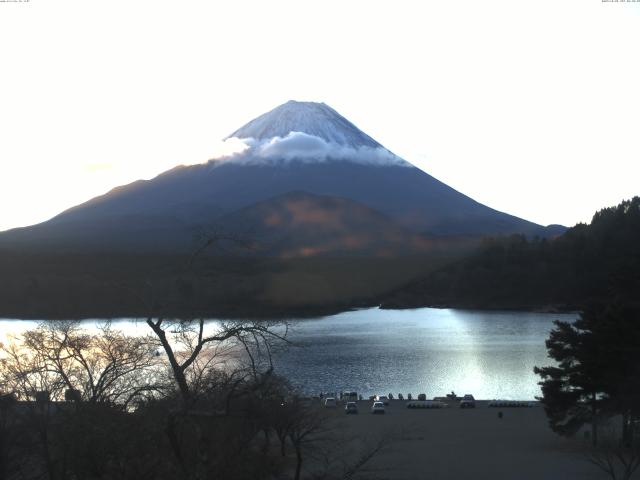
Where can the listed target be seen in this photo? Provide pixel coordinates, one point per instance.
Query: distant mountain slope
(299, 224)
(297, 147)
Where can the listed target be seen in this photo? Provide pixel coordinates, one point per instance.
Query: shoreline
(449, 403)
(294, 314)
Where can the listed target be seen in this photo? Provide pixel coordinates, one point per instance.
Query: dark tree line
(595, 262)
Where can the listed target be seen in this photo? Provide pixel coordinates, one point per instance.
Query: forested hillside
(594, 262)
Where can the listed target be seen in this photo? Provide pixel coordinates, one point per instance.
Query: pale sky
(530, 107)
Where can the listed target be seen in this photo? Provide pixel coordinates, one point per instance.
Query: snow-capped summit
(305, 132)
(311, 118)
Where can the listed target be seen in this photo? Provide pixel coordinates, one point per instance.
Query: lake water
(426, 350)
(432, 351)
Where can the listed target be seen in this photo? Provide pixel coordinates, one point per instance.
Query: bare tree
(343, 460)
(321, 446)
(193, 352)
(615, 458)
(232, 346)
(306, 425)
(10, 435)
(24, 373)
(66, 362)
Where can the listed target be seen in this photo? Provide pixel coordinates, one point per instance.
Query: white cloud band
(301, 147)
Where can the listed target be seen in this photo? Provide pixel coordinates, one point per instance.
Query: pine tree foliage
(598, 370)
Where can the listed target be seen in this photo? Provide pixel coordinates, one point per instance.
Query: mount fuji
(305, 181)
(314, 119)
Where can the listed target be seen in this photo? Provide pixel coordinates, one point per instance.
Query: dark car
(351, 407)
(468, 401)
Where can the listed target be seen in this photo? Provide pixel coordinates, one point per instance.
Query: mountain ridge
(188, 198)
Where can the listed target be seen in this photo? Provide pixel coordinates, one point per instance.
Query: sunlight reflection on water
(432, 351)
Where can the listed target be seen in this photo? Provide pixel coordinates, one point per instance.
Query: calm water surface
(432, 351)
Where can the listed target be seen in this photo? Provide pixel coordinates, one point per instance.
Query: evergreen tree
(572, 391)
(618, 331)
(598, 371)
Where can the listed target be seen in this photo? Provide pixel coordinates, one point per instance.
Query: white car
(377, 407)
(382, 398)
(330, 402)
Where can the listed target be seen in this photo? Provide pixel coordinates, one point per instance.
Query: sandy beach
(454, 443)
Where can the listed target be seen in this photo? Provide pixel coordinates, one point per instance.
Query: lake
(433, 351)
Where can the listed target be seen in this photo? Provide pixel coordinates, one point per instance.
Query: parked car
(382, 398)
(351, 407)
(468, 401)
(330, 402)
(377, 407)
